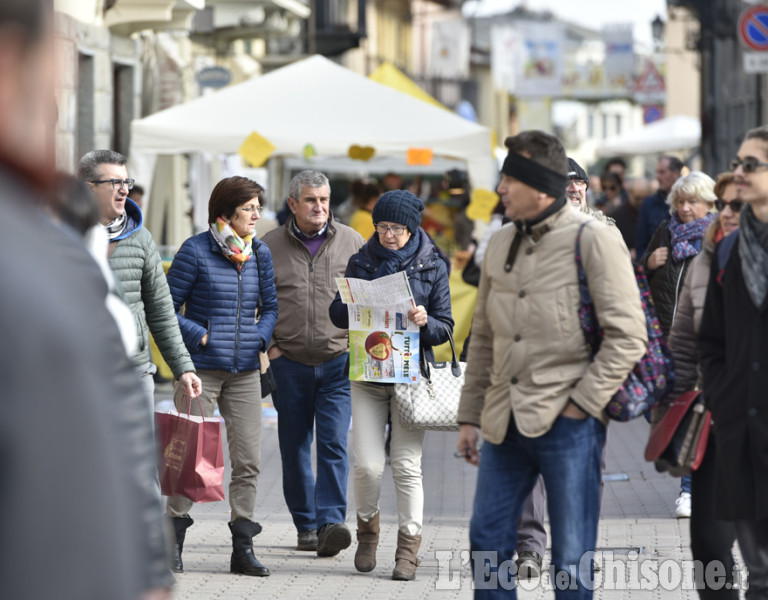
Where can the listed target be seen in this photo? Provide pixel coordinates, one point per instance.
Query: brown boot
(405, 557)
(367, 541)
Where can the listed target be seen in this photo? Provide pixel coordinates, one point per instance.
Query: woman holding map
(399, 245)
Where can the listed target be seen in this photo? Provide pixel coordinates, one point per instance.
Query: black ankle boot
(243, 561)
(180, 526)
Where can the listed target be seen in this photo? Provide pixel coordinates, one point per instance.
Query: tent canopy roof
(673, 133)
(314, 101)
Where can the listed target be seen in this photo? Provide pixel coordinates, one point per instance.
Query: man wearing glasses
(136, 263)
(309, 359)
(733, 342)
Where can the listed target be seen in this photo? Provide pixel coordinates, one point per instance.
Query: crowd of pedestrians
(78, 375)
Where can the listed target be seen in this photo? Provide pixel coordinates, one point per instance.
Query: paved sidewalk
(637, 518)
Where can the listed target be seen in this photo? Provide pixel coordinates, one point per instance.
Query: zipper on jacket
(312, 302)
(237, 325)
(677, 292)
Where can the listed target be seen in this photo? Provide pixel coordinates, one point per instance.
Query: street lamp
(657, 30)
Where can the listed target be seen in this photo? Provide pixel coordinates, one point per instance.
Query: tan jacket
(527, 353)
(306, 287)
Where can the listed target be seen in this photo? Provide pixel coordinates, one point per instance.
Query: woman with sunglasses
(667, 259)
(399, 244)
(223, 278)
(711, 538)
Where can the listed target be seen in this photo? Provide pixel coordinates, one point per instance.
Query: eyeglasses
(396, 230)
(610, 188)
(734, 205)
(748, 165)
(117, 183)
(579, 183)
(249, 209)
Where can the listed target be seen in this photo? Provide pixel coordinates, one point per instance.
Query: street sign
(756, 62)
(753, 28)
(652, 112)
(649, 86)
(214, 77)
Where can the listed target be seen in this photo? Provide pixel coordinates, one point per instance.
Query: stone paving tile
(638, 513)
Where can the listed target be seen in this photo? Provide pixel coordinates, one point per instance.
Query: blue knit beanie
(399, 206)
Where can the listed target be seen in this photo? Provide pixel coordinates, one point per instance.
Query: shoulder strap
(258, 270)
(724, 250)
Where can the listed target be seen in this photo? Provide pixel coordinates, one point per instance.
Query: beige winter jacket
(306, 287)
(527, 353)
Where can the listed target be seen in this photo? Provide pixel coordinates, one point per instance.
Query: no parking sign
(753, 32)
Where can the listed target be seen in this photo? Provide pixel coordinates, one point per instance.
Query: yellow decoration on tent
(256, 149)
(364, 153)
(308, 152)
(481, 204)
(419, 156)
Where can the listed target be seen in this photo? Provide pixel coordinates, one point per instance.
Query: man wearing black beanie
(531, 387)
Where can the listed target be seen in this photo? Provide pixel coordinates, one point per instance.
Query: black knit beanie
(575, 171)
(399, 206)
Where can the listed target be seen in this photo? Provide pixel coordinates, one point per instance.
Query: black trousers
(753, 542)
(711, 538)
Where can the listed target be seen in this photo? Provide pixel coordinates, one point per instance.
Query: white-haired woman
(675, 244)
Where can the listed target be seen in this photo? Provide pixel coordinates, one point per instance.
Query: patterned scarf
(753, 252)
(235, 248)
(115, 226)
(686, 237)
(392, 260)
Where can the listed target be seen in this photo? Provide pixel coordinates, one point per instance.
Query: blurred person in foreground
(733, 342)
(224, 281)
(531, 387)
(667, 260)
(711, 537)
(76, 428)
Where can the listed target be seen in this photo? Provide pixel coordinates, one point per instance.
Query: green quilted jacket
(136, 263)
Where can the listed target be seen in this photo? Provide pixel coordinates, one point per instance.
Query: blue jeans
(568, 458)
(685, 483)
(316, 397)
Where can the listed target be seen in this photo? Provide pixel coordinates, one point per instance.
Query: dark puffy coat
(428, 277)
(666, 282)
(733, 341)
(221, 301)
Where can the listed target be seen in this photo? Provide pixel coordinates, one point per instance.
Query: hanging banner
(540, 67)
(449, 52)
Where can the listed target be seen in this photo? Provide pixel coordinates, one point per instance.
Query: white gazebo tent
(313, 101)
(673, 133)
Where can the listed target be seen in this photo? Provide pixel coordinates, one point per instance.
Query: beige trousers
(371, 403)
(239, 399)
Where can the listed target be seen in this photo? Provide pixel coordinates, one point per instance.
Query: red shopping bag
(192, 459)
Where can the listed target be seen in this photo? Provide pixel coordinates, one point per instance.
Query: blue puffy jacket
(221, 301)
(428, 277)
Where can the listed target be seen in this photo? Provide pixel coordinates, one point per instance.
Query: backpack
(653, 375)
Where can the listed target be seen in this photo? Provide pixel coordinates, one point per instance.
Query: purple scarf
(686, 237)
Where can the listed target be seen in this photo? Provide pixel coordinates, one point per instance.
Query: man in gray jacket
(309, 359)
(137, 266)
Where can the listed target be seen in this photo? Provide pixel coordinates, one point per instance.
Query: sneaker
(332, 538)
(307, 540)
(528, 564)
(683, 506)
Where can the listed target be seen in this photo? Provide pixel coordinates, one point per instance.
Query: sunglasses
(735, 205)
(748, 165)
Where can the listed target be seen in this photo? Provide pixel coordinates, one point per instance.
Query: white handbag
(432, 403)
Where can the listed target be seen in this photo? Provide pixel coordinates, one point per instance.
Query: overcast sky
(590, 13)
